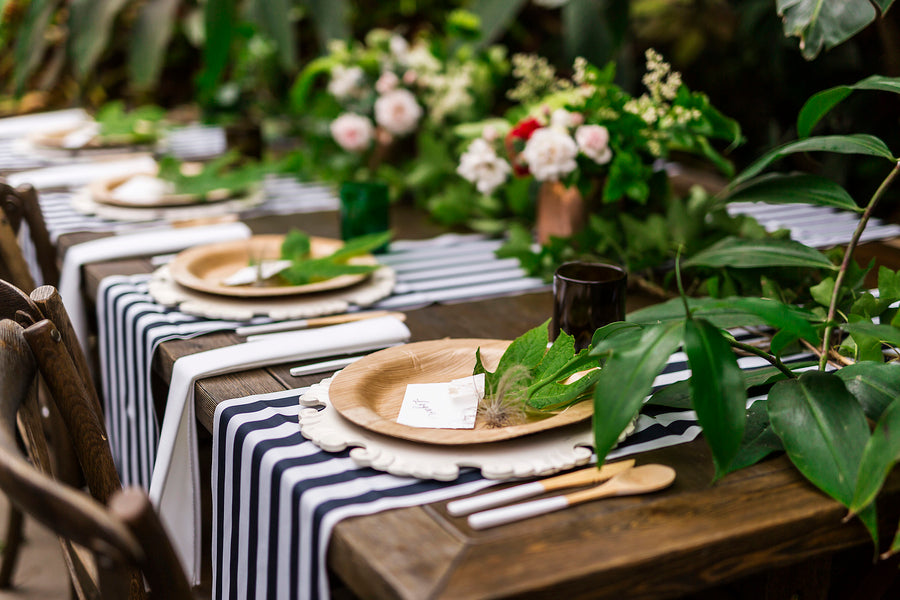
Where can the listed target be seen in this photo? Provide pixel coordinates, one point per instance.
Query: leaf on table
(717, 390)
(627, 378)
(321, 269)
(886, 334)
(824, 430)
(297, 245)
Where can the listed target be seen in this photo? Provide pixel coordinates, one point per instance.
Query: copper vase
(560, 211)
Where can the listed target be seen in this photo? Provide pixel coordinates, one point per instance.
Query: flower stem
(774, 360)
(848, 256)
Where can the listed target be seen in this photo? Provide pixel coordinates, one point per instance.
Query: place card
(450, 405)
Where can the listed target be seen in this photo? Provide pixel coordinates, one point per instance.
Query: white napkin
(145, 243)
(174, 486)
(14, 127)
(81, 174)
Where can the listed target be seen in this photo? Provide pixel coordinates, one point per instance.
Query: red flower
(515, 142)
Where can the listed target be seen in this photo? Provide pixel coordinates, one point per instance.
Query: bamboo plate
(54, 139)
(204, 268)
(102, 191)
(370, 391)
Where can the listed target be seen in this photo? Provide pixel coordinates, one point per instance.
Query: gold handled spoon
(587, 476)
(639, 480)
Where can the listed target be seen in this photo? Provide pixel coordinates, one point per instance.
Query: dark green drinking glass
(365, 209)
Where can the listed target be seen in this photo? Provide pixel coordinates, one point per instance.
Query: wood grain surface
(763, 532)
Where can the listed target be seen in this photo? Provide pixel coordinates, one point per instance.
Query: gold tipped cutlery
(615, 479)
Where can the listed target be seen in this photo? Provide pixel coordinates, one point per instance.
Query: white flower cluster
(550, 153)
(536, 77)
(405, 69)
(663, 84)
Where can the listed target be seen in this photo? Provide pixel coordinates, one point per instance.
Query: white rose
(481, 165)
(561, 118)
(550, 154)
(387, 82)
(593, 141)
(398, 112)
(345, 81)
(399, 47)
(352, 132)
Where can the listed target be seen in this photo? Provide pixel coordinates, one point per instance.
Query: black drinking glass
(586, 296)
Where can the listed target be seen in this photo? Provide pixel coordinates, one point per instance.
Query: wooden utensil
(639, 480)
(582, 477)
(253, 330)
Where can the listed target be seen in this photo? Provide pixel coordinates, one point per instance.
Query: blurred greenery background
(236, 59)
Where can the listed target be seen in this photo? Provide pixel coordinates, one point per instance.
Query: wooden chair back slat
(22, 204)
(125, 538)
(12, 262)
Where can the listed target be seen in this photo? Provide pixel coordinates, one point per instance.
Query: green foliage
(820, 24)
(305, 268)
(120, 126)
(543, 371)
(222, 173)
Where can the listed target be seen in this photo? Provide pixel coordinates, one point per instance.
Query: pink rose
(593, 141)
(352, 132)
(387, 82)
(398, 112)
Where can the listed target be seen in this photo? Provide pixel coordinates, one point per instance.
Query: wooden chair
(20, 204)
(44, 302)
(106, 547)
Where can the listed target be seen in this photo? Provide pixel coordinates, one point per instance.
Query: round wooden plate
(203, 268)
(370, 391)
(54, 139)
(102, 191)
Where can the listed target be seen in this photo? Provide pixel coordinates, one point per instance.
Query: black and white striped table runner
(131, 325)
(277, 497)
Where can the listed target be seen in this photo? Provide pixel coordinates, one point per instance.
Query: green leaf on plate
(824, 430)
(743, 254)
(321, 269)
(717, 390)
(627, 378)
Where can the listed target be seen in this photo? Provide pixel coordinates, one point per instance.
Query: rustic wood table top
(763, 531)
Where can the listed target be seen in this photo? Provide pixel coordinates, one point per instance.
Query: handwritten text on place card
(452, 405)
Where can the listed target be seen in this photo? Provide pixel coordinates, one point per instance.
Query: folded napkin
(14, 127)
(145, 243)
(174, 486)
(81, 174)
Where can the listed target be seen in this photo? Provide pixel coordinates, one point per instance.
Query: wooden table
(763, 532)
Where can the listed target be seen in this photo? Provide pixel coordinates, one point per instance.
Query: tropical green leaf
(673, 310)
(150, 38)
(626, 379)
(717, 390)
(883, 333)
(874, 384)
(271, 16)
(821, 103)
(296, 245)
(824, 431)
(793, 188)
(91, 22)
(31, 41)
(219, 22)
(759, 439)
(496, 16)
(556, 395)
(784, 317)
(880, 455)
(820, 24)
(747, 254)
(842, 144)
(321, 269)
(331, 18)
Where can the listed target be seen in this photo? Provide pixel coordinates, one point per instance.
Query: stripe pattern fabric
(277, 497)
(131, 325)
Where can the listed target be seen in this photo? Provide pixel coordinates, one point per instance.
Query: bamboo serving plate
(204, 268)
(369, 392)
(103, 191)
